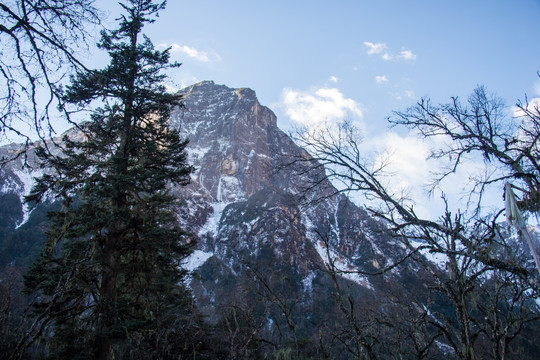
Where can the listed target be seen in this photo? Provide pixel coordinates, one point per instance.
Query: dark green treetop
(109, 278)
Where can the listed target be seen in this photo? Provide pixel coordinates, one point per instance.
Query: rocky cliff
(248, 208)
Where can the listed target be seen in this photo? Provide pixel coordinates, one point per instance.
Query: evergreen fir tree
(109, 280)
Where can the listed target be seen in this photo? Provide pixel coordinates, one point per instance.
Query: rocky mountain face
(243, 197)
(261, 233)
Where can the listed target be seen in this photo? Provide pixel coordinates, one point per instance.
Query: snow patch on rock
(212, 223)
(439, 259)
(27, 180)
(343, 265)
(196, 260)
(307, 283)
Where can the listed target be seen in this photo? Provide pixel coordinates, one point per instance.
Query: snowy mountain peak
(244, 206)
(238, 201)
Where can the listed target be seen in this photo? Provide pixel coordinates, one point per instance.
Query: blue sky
(325, 61)
(383, 55)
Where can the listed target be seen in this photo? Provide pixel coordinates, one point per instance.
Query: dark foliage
(108, 282)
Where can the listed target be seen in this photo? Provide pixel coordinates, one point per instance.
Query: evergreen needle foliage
(108, 281)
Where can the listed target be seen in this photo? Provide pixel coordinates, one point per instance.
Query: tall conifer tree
(109, 280)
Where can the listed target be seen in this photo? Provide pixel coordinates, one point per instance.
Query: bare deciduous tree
(509, 144)
(480, 259)
(38, 44)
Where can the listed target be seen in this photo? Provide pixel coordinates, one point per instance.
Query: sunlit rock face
(246, 206)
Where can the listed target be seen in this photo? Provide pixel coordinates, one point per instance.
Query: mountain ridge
(257, 220)
(238, 153)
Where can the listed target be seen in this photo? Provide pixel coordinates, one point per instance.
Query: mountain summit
(245, 205)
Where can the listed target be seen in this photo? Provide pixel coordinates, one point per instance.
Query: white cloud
(321, 107)
(407, 55)
(381, 79)
(333, 79)
(171, 88)
(189, 51)
(406, 170)
(387, 57)
(375, 48)
(410, 171)
(526, 118)
(409, 94)
(405, 157)
(532, 105)
(384, 51)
